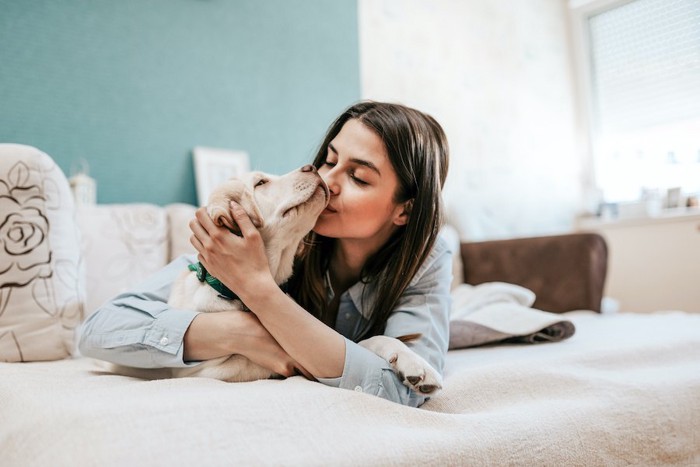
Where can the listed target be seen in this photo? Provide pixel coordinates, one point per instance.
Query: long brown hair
(418, 152)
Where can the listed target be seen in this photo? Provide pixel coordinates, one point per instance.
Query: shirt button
(347, 315)
(358, 388)
(164, 341)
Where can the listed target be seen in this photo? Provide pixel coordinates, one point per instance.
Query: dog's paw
(415, 372)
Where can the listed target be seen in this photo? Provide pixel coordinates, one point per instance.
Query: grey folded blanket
(496, 312)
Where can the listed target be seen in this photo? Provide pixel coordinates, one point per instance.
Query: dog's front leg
(413, 370)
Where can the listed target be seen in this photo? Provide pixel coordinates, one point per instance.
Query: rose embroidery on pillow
(25, 253)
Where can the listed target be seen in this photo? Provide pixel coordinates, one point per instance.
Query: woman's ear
(404, 213)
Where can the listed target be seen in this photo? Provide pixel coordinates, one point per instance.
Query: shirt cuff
(365, 371)
(165, 338)
(361, 371)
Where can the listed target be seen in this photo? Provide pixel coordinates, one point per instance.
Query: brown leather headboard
(566, 272)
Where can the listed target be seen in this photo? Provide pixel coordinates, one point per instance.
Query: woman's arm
(213, 335)
(422, 308)
(140, 329)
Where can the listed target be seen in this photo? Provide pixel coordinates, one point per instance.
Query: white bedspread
(625, 389)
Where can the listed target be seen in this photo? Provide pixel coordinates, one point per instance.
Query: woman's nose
(308, 168)
(329, 178)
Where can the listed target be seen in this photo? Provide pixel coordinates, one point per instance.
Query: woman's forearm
(318, 348)
(212, 335)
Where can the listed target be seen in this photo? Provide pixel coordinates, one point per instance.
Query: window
(644, 66)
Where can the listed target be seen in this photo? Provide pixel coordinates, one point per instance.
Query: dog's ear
(220, 204)
(248, 203)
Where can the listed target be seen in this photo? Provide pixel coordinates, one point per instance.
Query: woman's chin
(322, 228)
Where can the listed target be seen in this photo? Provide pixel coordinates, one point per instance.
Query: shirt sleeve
(139, 328)
(423, 308)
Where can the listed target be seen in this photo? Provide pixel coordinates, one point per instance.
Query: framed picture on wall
(213, 166)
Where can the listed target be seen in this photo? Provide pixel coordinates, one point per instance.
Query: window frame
(579, 13)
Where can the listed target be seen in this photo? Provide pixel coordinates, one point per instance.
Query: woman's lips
(328, 210)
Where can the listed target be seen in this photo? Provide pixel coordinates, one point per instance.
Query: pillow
(451, 236)
(41, 279)
(179, 217)
(123, 244)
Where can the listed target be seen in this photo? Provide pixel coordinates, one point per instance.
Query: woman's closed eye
(357, 180)
(351, 171)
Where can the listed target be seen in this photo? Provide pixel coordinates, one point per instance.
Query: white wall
(497, 75)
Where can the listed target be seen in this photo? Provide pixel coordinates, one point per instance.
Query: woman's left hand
(238, 262)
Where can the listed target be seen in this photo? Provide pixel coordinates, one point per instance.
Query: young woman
(373, 264)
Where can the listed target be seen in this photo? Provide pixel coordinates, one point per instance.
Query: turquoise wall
(133, 85)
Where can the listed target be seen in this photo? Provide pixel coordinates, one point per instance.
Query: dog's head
(284, 208)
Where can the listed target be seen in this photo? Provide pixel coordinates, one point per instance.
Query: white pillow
(41, 278)
(123, 244)
(179, 217)
(451, 236)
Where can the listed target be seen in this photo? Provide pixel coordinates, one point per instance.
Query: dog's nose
(308, 168)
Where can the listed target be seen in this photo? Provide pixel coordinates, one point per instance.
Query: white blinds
(645, 73)
(646, 64)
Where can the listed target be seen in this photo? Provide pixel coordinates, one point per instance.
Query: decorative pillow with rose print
(41, 283)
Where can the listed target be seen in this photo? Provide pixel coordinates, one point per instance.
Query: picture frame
(213, 166)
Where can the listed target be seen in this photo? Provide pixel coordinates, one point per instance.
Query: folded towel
(499, 312)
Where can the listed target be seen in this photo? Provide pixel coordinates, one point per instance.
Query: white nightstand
(654, 262)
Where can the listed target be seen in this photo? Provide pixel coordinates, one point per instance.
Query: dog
(283, 209)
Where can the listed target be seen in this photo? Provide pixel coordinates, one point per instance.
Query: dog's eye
(262, 181)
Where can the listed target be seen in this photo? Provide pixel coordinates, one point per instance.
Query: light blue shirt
(140, 329)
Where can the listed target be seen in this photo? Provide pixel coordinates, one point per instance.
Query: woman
(374, 264)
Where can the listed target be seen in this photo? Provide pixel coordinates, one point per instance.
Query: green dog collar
(204, 276)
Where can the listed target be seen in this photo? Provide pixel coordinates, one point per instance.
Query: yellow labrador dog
(284, 209)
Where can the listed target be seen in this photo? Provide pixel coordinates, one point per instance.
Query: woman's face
(362, 183)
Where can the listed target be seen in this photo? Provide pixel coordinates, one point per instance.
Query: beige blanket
(625, 389)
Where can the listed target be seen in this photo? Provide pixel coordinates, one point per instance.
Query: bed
(615, 389)
(624, 390)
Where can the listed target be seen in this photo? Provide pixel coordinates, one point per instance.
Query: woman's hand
(214, 335)
(239, 262)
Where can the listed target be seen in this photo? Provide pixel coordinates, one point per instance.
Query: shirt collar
(355, 292)
(367, 290)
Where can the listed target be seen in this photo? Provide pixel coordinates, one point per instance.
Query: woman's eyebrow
(354, 160)
(367, 164)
